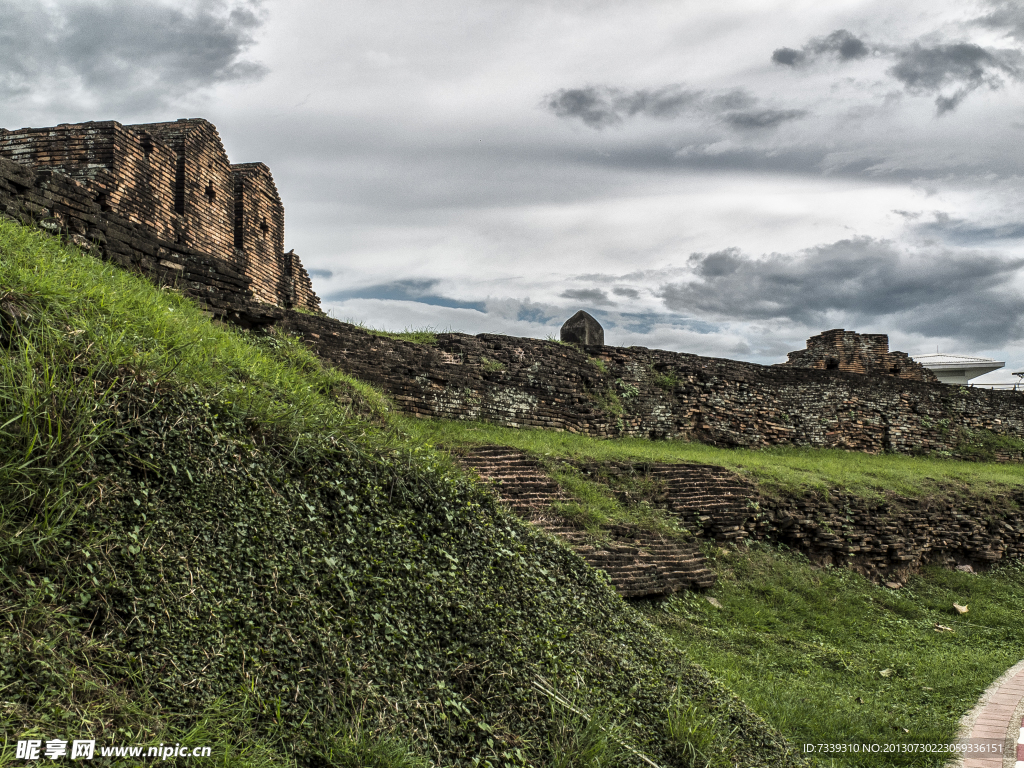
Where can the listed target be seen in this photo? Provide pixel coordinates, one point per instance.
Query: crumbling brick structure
(867, 353)
(594, 390)
(204, 186)
(259, 232)
(127, 171)
(175, 180)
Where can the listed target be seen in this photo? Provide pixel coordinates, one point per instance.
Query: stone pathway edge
(999, 711)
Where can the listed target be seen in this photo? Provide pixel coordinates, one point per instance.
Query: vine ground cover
(210, 538)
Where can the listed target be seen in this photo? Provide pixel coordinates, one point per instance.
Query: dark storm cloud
(964, 67)
(841, 44)
(763, 118)
(956, 68)
(603, 106)
(859, 281)
(124, 52)
(588, 295)
(629, 293)
(420, 291)
(963, 232)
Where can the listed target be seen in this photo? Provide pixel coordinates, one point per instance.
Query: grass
(491, 366)
(828, 657)
(207, 534)
(412, 335)
(793, 471)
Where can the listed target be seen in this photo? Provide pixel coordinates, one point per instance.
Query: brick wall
(298, 286)
(62, 206)
(259, 231)
(174, 180)
(204, 185)
(130, 172)
(886, 538)
(866, 353)
(615, 391)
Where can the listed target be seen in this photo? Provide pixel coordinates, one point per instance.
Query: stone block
(583, 329)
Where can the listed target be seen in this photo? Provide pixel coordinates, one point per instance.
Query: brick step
(637, 562)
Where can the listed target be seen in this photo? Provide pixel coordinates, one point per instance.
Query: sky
(723, 178)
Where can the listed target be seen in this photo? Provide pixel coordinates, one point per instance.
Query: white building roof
(943, 360)
(958, 369)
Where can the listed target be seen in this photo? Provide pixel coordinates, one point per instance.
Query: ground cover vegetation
(209, 538)
(426, 336)
(825, 655)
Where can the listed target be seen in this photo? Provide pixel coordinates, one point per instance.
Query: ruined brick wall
(174, 180)
(259, 231)
(63, 206)
(204, 185)
(600, 391)
(615, 392)
(865, 353)
(299, 286)
(889, 539)
(131, 173)
(886, 538)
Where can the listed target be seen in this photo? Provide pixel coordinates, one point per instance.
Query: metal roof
(943, 360)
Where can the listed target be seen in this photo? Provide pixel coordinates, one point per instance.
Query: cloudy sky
(722, 178)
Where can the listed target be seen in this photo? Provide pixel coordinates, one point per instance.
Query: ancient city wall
(62, 206)
(596, 390)
(137, 192)
(259, 228)
(129, 172)
(614, 391)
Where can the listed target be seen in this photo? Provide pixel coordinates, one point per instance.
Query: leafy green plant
(599, 364)
(667, 381)
(608, 401)
(629, 391)
(984, 444)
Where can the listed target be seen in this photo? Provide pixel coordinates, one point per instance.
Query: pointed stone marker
(582, 328)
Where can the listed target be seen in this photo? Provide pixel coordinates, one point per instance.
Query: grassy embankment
(209, 538)
(824, 655)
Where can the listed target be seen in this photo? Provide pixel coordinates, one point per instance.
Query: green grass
(206, 534)
(793, 471)
(412, 335)
(492, 366)
(828, 657)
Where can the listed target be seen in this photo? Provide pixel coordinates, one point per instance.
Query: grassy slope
(201, 541)
(806, 647)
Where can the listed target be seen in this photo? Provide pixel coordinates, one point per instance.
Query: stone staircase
(710, 500)
(639, 563)
(518, 479)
